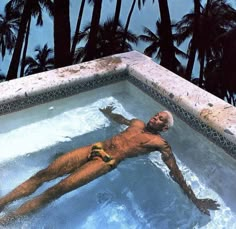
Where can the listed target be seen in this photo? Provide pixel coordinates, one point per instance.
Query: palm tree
(117, 15)
(14, 64)
(2, 77)
(25, 48)
(168, 52)
(228, 80)
(43, 61)
(28, 8)
(36, 11)
(108, 42)
(155, 47)
(77, 30)
(9, 23)
(213, 77)
(193, 45)
(92, 40)
(140, 2)
(215, 18)
(62, 33)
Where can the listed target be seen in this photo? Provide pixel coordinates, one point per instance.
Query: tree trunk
(75, 40)
(92, 41)
(25, 49)
(14, 64)
(168, 54)
(193, 49)
(62, 33)
(202, 52)
(127, 23)
(117, 15)
(202, 61)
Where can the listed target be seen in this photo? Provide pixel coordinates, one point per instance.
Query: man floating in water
(87, 163)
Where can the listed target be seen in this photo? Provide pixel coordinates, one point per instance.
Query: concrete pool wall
(206, 113)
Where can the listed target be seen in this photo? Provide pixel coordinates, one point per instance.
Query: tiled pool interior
(210, 116)
(216, 122)
(139, 193)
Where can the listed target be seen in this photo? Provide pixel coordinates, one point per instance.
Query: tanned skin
(137, 139)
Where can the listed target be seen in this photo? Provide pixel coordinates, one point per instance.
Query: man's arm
(107, 111)
(202, 204)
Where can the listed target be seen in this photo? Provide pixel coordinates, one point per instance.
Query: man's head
(161, 121)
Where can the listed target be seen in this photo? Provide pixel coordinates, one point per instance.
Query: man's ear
(165, 128)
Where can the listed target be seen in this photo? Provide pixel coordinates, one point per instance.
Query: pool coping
(203, 111)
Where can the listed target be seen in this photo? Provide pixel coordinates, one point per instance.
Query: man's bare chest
(138, 137)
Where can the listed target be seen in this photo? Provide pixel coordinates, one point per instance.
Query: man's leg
(65, 164)
(86, 173)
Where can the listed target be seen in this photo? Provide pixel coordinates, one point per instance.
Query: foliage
(2, 77)
(155, 47)
(216, 19)
(42, 61)
(9, 23)
(108, 43)
(27, 9)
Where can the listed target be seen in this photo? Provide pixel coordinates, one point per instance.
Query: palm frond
(150, 50)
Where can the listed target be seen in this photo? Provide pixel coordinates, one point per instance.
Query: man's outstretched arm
(202, 204)
(107, 111)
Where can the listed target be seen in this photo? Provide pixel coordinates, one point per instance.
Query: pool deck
(208, 114)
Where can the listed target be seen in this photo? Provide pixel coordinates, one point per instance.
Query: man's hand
(107, 110)
(204, 204)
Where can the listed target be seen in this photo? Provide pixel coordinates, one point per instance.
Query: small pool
(139, 193)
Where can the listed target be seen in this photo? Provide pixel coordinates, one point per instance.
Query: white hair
(170, 119)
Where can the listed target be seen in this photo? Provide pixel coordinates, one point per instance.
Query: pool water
(139, 193)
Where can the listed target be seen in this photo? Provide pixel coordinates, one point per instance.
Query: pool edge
(206, 113)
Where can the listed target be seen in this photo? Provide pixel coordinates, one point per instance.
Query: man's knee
(45, 175)
(41, 173)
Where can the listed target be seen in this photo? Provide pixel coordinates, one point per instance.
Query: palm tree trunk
(202, 52)
(168, 54)
(75, 40)
(117, 15)
(62, 33)
(193, 49)
(127, 23)
(25, 48)
(14, 64)
(92, 41)
(202, 61)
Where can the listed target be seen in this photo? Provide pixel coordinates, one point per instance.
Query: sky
(147, 16)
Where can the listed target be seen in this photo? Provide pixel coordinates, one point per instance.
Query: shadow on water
(137, 194)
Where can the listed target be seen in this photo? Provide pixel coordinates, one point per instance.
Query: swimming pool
(139, 193)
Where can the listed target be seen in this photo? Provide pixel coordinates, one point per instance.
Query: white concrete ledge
(208, 108)
(54, 79)
(214, 112)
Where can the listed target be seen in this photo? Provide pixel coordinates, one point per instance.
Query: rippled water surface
(139, 193)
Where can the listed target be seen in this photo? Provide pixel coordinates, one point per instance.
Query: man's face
(159, 122)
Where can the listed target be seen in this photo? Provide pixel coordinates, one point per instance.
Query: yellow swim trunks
(98, 151)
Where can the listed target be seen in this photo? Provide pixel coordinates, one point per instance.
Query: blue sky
(147, 16)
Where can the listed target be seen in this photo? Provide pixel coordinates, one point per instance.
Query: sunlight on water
(139, 193)
(219, 219)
